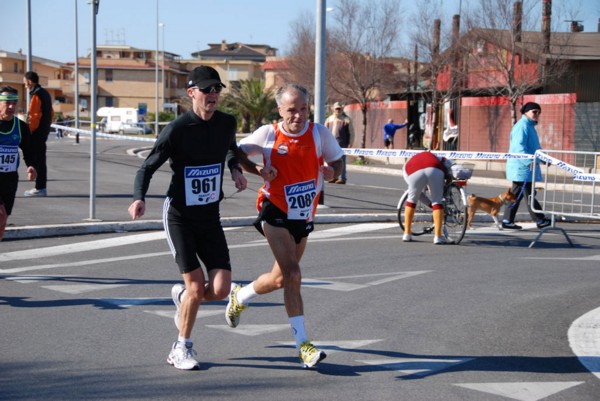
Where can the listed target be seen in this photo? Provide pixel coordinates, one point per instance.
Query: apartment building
(133, 77)
(56, 77)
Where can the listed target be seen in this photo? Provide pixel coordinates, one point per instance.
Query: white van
(114, 117)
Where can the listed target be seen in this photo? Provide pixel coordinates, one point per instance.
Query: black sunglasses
(210, 89)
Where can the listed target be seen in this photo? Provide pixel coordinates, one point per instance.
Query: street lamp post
(76, 76)
(162, 25)
(156, 75)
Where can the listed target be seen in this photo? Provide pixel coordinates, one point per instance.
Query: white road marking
(335, 346)
(251, 329)
(526, 391)
(329, 284)
(133, 239)
(416, 366)
(83, 263)
(350, 229)
(127, 302)
(201, 313)
(591, 258)
(35, 279)
(81, 288)
(584, 339)
(77, 247)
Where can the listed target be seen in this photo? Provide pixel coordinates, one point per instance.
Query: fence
(570, 185)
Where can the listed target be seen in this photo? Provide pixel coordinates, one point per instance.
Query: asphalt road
(90, 316)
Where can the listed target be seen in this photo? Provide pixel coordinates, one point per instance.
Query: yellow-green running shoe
(310, 355)
(234, 308)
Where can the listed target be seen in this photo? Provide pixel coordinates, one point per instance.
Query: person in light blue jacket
(524, 139)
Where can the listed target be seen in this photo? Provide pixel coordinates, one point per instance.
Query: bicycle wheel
(455, 213)
(423, 220)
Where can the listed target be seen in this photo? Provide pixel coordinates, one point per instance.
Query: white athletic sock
(297, 323)
(246, 293)
(186, 341)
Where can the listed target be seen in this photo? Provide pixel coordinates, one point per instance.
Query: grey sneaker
(176, 293)
(310, 355)
(35, 192)
(234, 308)
(183, 357)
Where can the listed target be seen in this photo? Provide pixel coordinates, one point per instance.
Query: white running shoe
(440, 241)
(183, 357)
(35, 193)
(176, 293)
(407, 238)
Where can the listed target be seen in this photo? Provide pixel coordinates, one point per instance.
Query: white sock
(186, 341)
(246, 293)
(297, 323)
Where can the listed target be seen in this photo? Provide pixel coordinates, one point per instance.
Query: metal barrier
(570, 188)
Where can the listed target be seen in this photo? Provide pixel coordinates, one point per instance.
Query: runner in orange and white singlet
(294, 151)
(296, 190)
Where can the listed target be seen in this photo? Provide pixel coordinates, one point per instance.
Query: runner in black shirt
(198, 145)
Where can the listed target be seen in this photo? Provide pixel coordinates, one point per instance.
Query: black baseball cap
(204, 77)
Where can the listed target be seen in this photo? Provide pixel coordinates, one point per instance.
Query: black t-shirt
(197, 151)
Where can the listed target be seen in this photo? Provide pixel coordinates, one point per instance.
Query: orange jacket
(36, 114)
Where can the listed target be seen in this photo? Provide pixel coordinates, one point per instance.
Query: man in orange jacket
(40, 118)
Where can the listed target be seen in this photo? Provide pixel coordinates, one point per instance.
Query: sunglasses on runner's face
(210, 89)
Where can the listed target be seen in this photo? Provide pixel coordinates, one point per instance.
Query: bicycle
(455, 208)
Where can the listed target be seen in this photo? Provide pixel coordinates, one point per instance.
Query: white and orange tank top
(298, 159)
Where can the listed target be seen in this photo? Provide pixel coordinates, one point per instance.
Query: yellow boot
(438, 222)
(409, 214)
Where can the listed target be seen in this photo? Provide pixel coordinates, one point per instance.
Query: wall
(485, 122)
(587, 127)
(378, 114)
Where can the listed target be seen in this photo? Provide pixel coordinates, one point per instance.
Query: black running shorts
(191, 238)
(271, 214)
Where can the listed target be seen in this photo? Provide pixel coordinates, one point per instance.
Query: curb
(63, 230)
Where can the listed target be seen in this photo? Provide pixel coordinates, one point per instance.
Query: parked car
(146, 128)
(129, 129)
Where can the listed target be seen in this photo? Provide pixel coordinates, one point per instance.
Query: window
(110, 101)
(108, 75)
(86, 77)
(232, 74)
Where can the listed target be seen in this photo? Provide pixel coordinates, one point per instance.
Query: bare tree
(510, 59)
(301, 57)
(430, 36)
(361, 40)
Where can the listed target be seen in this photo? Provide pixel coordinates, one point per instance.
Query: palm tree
(251, 102)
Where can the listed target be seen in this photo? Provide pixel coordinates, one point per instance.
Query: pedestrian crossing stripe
(335, 284)
(418, 367)
(201, 313)
(250, 329)
(525, 391)
(332, 347)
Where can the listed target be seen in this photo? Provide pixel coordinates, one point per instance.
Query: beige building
(54, 76)
(127, 76)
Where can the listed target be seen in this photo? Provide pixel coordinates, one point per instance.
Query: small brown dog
(491, 206)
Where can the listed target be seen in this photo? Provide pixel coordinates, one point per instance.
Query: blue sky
(189, 25)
